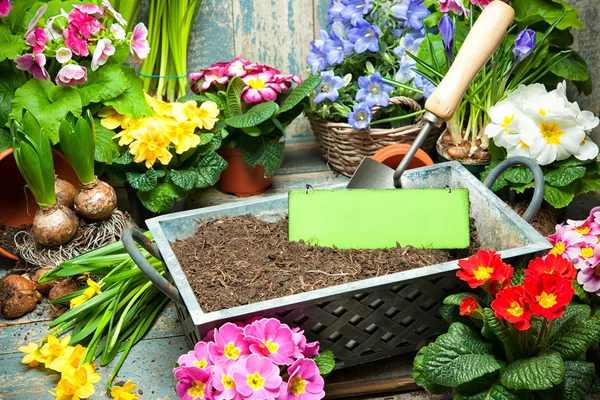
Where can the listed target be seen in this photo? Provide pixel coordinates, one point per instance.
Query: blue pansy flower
(373, 91)
(336, 48)
(354, 10)
(411, 13)
(365, 37)
(360, 117)
(316, 55)
(328, 89)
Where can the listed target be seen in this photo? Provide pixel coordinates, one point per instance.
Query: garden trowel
(367, 217)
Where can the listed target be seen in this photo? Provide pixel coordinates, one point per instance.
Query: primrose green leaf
(143, 182)
(493, 327)
(48, 103)
(9, 83)
(104, 84)
(262, 150)
(456, 299)
(536, 373)
(325, 362)
(528, 12)
(106, 149)
(254, 116)
(458, 357)
(559, 197)
(564, 176)
(132, 101)
(162, 197)
(518, 175)
(300, 92)
(573, 339)
(573, 68)
(495, 392)
(184, 178)
(11, 46)
(421, 379)
(578, 379)
(234, 92)
(124, 159)
(209, 169)
(589, 183)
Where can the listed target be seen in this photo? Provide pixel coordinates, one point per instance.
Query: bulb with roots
(96, 200)
(54, 225)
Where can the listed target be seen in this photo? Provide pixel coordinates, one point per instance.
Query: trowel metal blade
(372, 174)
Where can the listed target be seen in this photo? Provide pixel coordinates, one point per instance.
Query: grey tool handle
(130, 238)
(538, 181)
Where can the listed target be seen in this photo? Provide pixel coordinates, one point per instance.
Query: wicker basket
(344, 148)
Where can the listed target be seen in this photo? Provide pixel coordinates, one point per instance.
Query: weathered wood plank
(320, 15)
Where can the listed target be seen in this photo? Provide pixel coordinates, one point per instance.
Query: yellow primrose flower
(33, 356)
(54, 348)
(205, 116)
(182, 135)
(151, 145)
(76, 383)
(69, 359)
(126, 136)
(159, 107)
(111, 119)
(123, 393)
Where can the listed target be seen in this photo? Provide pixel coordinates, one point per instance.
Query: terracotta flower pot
(392, 155)
(15, 207)
(238, 178)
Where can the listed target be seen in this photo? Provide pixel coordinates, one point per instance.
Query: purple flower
(334, 11)
(34, 64)
(139, 43)
(524, 44)
(365, 37)
(354, 10)
(373, 91)
(104, 49)
(328, 89)
(194, 383)
(447, 31)
(336, 48)
(411, 12)
(33, 23)
(424, 84)
(305, 382)
(316, 54)
(360, 117)
(71, 75)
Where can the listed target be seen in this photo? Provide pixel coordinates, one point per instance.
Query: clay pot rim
(393, 150)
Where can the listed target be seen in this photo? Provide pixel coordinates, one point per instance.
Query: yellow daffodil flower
(77, 301)
(33, 356)
(92, 290)
(69, 359)
(76, 383)
(159, 107)
(204, 116)
(123, 393)
(182, 135)
(150, 146)
(54, 348)
(111, 119)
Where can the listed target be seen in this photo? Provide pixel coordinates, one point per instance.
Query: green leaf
(184, 178)
(256, 115)
(528, 12)
(104, 84)
(578, 379)
(11, 46)
(325, 362)
(536, 373)
(209, 169)
(437, 57)
(421, 379)
(580, 292)
(494, 328)
(16, 17)
(574, 314)
(262, 150)
(495, 392)
(518, 175)
(49, 104)
(559, 197)
(301, 92)
(132, 101)
(162, 197)
(253, 131)
(234, 92)
(589, 183)
(573, 68)
(573, 339)
(564, 176)
(106, 149)
(125, 159)
(143, 182)
(458, 357)
(433, 19)
(5, 140)
(456, 299)
(10, 81)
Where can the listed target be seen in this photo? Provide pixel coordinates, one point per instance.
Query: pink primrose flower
(285, 81)
(117, 31)
(483, 3)
(51, 33)
(456, 6)
(256, 377)
(237, 67)
(33, 23)
(139, 43)
(586, 228)
(5, 8)
(90, 9)
(199, 357)
(76, 42)
(34, 64)
(303, 349)
(261, 87)
(104, 49)
(305, 382)
(37, 39)
(118, 17)
(566, 242)
(194, 383)
(589, 276)
(63, 55)
(584, 255)
(86, 25)
(272, 339)
(71, 75)
(229, 343)
(214, 75)
(223, 381)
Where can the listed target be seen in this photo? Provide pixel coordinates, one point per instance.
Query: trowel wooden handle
(488, 32)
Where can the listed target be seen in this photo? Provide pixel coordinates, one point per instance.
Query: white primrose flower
(588, 150)
(504, 124)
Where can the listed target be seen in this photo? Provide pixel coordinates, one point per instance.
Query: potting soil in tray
(233, 261)
(7, 237)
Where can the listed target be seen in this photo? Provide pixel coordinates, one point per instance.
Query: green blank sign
(380, 218)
